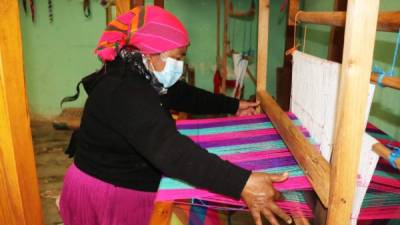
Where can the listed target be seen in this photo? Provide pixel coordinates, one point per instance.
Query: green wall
(385, 112)
(57, 55)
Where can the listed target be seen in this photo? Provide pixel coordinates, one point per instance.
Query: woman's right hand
(260, 197)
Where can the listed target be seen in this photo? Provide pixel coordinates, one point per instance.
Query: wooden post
(225, 51)
(315, 167)
(335, 49)
(359, 41)
(19, 193)
(218, 59)
(262, 52)
(294, 6)
(284, 74)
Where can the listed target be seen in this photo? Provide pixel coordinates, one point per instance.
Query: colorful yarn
(252, 142)
(394, 156)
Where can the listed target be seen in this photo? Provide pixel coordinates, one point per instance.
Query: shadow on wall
(384, 51)
(384, 113)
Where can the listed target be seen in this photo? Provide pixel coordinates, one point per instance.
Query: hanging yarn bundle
(86, 8)
(32, 4)
(32, 8)
(24, 6)
(50, 7)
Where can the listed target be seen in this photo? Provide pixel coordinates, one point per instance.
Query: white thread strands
(315, 85)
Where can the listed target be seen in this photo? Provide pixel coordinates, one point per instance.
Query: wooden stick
(315, 167)
(388, 21)
(218, 31)
(262, 56)
(355, 75)
(19, 190)
(387, 81)
(384, 152)
(225, 50)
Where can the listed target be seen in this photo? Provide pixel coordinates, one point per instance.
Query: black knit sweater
(128, 137)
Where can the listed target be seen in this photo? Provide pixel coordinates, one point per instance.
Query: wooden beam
(19, 192)
(262, 55)
(387, 81)
(388, 21)
(384, 152)
(358, 50)
(315, 167)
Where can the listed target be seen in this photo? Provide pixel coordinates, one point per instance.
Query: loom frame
(19, 190)
(334, 184)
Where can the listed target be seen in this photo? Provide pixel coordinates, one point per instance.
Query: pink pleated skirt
(86, 200)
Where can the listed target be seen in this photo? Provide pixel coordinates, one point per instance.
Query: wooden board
(350, 124)
(19, 193)
(315, 167)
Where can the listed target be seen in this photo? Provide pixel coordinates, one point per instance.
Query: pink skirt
(86, 200)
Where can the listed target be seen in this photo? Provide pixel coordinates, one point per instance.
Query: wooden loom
(19, 196)
(334, 183)
(227, 51)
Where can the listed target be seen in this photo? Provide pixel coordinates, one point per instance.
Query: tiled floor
(51, 163)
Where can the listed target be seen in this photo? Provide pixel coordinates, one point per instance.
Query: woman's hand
(247, 108)
(260, 196)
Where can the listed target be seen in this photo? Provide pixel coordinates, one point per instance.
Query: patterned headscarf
(151, 29)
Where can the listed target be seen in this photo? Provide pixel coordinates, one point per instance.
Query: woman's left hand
(247, 108)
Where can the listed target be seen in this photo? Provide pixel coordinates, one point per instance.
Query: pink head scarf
(151, 29)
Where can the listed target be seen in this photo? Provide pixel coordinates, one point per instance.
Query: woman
(127, 137)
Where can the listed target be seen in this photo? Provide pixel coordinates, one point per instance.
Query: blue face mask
(171, 73)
